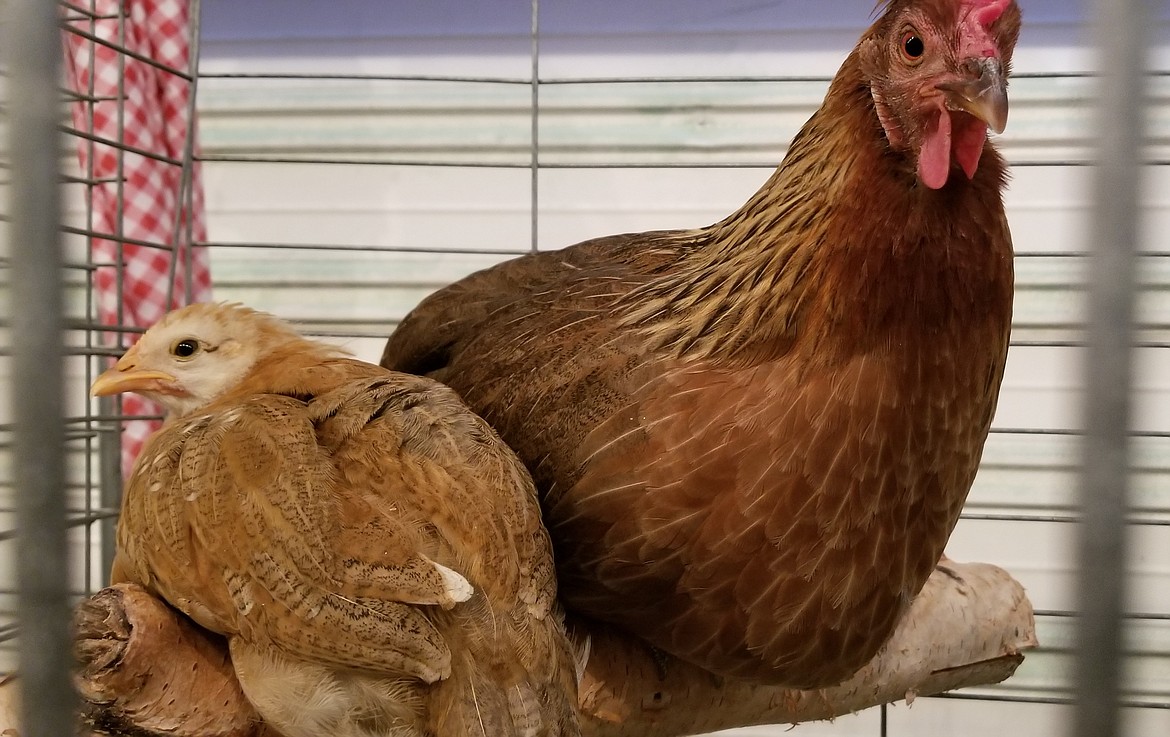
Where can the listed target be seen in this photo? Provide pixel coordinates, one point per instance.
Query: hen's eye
(186, 348)
(913, 46)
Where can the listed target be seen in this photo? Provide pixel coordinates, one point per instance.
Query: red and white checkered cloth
(154, 119)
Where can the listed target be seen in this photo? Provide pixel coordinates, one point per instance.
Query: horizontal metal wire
(825, 78)
(1134, 521)
(97, 514)
(84, 12)
(92, 182)
(442, 250)
(73, 18)
(111, 418)
(355, 328)
(6, 263)
(70, 435)
(367, 77)
(121, 49)
(337, 327)
(78, 520)
(70, 94)
(438, 251)
(1127, 703)
(94, 350)
(338, 161)
(1139, 616)
(119, 145)
(97, 326)
(82, 323)
(79, 351)
(91, 233)
(1070, 432)
(660, 79)
(1026, 343)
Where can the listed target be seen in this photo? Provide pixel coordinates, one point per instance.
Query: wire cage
(101, 91)
(346, 182)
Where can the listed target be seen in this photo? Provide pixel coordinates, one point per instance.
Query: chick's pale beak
(983, 94)
(125, 376)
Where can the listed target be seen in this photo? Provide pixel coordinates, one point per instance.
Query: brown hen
(371, 549)
(752, 440)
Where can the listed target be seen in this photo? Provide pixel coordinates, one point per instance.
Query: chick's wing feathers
(471, 506)
(379, 493)
(255, 502)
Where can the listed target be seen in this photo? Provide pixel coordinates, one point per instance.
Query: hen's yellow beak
(983, 94)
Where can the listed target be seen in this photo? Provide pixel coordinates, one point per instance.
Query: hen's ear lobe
(871, 59)
(869, 56)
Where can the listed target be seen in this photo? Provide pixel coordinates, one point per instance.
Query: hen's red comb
(985, 12)
(977, 16)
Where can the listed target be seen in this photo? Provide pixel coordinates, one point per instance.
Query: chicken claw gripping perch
(752, 440)
(370, 548)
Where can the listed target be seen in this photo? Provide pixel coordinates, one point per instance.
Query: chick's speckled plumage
(371, 549)
(752, 440)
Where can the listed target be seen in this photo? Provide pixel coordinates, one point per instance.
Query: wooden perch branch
(146, 671)
(967, 627)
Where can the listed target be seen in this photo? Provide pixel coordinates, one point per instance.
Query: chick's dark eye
(913, 46)
(186, 348)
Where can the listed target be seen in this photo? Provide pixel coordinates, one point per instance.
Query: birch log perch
(967, 627)
(147, 671)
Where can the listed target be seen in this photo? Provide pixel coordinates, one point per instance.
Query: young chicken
(752, 440)
(370, 548)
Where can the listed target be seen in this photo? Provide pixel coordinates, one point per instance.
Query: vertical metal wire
(33, 49)
(535, 156)
(92, 468)
(183, 229)
(110, 445)
(119, 184)
(111, 459)
(1121, 28)
(109, 480)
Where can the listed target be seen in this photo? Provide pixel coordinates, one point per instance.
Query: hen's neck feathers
(840, 243)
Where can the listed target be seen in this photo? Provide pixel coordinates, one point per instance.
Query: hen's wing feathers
(563, 287)
(536, 333)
